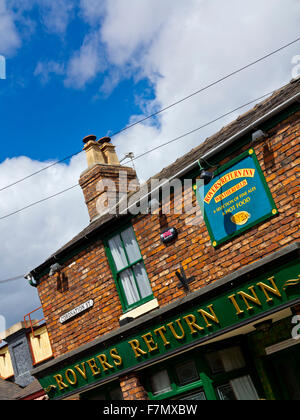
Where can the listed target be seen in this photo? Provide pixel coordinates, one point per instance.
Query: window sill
(141, 310)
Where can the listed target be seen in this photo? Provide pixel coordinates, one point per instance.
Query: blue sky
(43, 119)
(48, 122)
(78, 67)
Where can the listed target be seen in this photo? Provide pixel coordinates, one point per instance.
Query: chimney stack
(104, 165)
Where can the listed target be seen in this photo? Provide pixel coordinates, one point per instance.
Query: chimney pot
(104, 140)
(91, 137)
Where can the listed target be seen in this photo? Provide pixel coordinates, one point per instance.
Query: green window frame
(208, 382)
(129, 266)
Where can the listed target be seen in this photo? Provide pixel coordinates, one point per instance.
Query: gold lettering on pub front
(235, 304)
(265, 288)
(191, 321)
(135, 345)
(177, 332)
(253, 298)
(152, 346)
(93, 366)
(161, 332)
(59, 380)
(172, 329)
(210, 315)
(71, 372)
(81, 371)
(116, 358)
(104, 363)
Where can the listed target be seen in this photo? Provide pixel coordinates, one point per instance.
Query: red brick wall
(132, 389)
(89, 276)
(89, 180)
(280, 162)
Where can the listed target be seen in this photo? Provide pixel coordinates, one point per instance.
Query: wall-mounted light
(29, 277)
(258, 135)
(55, 268)
(207, 176)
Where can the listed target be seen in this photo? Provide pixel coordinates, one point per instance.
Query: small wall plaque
(74, 312)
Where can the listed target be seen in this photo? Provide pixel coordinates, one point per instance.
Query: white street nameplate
(76, 311)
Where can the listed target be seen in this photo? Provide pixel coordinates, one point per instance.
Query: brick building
(171, 304)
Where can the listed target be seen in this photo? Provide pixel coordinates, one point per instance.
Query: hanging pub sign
(236, 199)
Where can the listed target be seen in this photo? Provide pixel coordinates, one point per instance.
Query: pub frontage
(174, 304)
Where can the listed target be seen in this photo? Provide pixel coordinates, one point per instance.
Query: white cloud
(44, 69)
(180, 47)
(183, 46)
(85, 63)
(30, 237)
(9, 37)
(92, 10)
(57, 14)
(130, 28)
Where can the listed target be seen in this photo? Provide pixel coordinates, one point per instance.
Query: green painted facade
(206, 319)
(257, 342)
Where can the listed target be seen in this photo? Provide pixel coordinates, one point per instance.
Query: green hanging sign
(236, 199)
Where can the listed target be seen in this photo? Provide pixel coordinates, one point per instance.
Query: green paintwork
(257, 342)
(211, 223)
(116, 273)
(224, 310)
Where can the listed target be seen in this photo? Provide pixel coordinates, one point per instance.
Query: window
(179, 381)
(128, 269)
(226, 393)
(241, 389)
(160, 383)
(187, 373)
(226, 360)
(220, 374)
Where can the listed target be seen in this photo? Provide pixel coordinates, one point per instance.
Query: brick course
(87, 275)
(93, 189)
(132, 388)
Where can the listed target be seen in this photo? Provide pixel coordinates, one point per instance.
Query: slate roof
(31, 389)
(8, 390)
(278, 98)
(11, 391)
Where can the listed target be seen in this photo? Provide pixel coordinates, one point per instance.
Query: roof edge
(212, 152)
